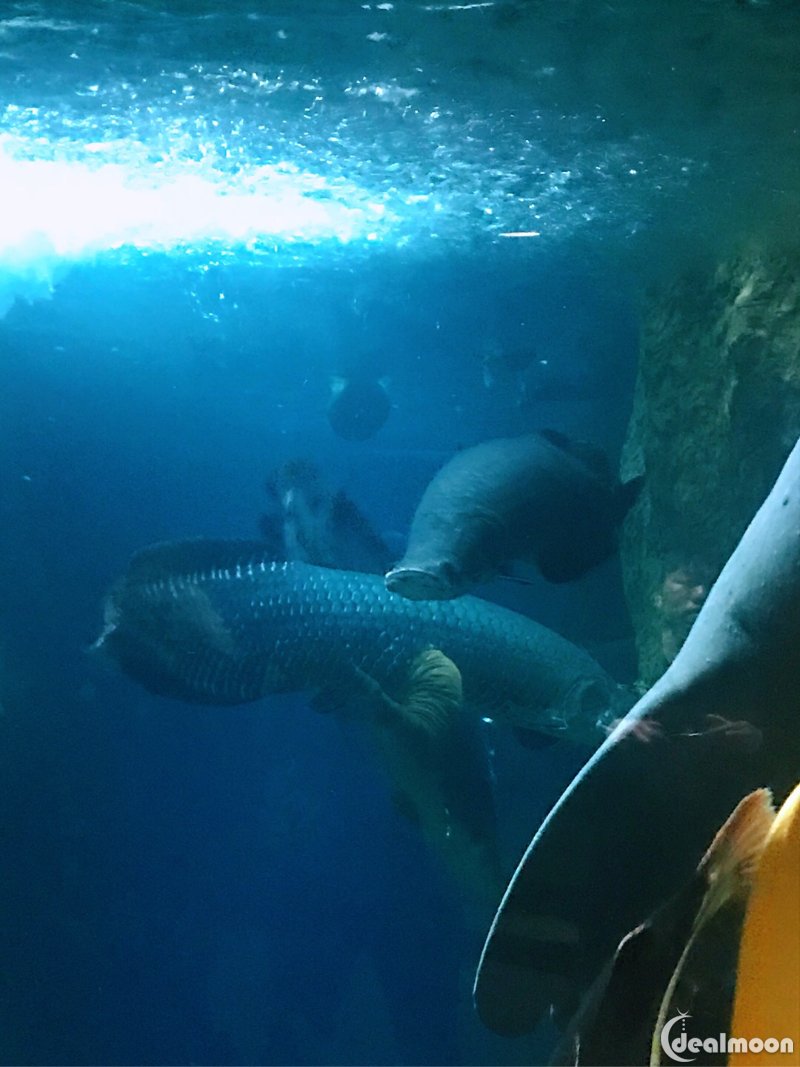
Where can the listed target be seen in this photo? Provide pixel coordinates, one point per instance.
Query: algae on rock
(716, 411)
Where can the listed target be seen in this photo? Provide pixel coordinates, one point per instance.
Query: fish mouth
(417, 583)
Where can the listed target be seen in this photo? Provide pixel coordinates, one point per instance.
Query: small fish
(306, 522)
(359, 405)
(767, 1000)
(624, 1014)
(539, 498)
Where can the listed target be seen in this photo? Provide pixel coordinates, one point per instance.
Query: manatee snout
(435, 581)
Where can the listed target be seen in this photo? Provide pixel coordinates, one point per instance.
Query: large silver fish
(539, 498)
(218, 622)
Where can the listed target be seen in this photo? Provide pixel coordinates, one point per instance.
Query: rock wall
(716, 411)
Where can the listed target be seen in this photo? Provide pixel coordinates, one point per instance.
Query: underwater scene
(400, 540)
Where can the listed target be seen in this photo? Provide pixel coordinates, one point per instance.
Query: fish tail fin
(729, 867)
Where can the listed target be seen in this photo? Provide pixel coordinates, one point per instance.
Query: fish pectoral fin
(427, 708)
(430, 703)
(436, 766)
(353, 694)
(433, 696)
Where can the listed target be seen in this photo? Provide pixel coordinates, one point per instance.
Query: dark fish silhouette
(359, 406)
(539, 498)
(628, 831)
(502, 365)
(305, 521)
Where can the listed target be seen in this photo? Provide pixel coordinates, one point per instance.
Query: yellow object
(767, 1003)
(729, 868)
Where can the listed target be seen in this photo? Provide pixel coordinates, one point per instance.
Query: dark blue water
(200, 231)
(203, 885)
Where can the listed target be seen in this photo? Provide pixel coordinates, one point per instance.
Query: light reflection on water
(406, 124)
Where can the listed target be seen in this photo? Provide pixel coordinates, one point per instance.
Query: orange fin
(732, 857)
(729, 867)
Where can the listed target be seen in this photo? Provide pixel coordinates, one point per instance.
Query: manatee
(540, 498)
(629, 830)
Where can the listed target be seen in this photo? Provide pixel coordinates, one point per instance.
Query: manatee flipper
(592, 457)
(430, 749)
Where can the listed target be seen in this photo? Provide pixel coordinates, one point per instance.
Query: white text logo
(678, 1045)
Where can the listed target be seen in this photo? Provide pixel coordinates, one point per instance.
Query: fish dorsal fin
(732, 857)
(171, 558)
(347, 516)
(729, 867)
(346, 511)
(592, 457)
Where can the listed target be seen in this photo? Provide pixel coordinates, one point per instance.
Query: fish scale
(218, 623)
